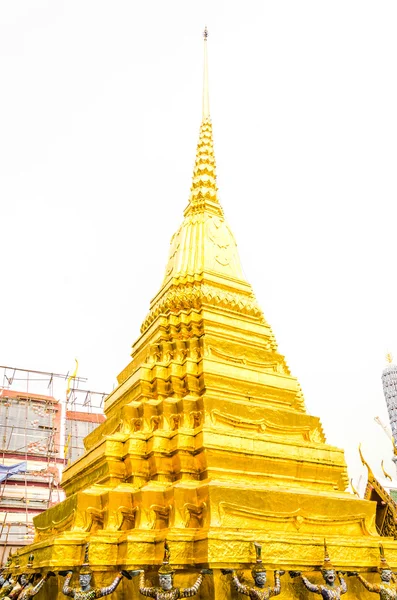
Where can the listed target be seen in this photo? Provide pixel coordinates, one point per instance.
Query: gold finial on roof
(389, 357)
(365, 462)
(206, 97)
(384, 472)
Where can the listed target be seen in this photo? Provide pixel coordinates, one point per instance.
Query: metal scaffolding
(38, 436)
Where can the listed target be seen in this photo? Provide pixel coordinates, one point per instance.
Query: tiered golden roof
(207, 442)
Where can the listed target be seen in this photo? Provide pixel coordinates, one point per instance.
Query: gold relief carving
(231, 514)
(175, 245)
(181, 351)
(56, 527)
(155, 422)
(136, 425)
(294, 430)
(154, 353)
(97, 518)
(158, 516)
(194, 349)
(168, 352)
(270, 367)
(193, 515)
(147, 388)
(123, 518)
(261, 425)
(163, 388)
(183, 326)
(174, 421)
(235, 301)
(195, 417)
(89, 520)
(178, 386)
(235, 359)
(316, 436)
(193, 296)
(232, 421)
(221, 237)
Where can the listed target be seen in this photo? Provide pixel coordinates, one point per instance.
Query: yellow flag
(72, 376)
(66, 447)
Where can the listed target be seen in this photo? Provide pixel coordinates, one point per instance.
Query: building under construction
(44, 418)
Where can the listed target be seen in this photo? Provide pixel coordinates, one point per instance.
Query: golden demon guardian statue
(329, 591)
(258, 591)
(30, 589)
(85, 591)
(167, 591)
(7, 578)
(18, 585)
(7, 586)
(387, 588)
(3, 575)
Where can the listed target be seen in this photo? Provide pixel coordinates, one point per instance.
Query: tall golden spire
(204, 250)
(204, 193)
(206, 96)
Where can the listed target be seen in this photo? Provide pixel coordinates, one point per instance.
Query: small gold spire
(389, 357)
(206, 97)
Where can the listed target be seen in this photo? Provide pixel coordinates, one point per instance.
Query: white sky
(100, 109)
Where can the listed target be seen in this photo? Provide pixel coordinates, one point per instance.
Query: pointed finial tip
(206, 101)
(389, 357)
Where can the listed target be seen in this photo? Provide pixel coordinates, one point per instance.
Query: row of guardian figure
(25, 586)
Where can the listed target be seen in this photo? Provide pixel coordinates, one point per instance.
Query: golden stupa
(207, 443)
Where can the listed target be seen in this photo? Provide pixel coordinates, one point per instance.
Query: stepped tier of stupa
(207, 442)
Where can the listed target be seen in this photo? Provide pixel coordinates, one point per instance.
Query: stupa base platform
(216, 549)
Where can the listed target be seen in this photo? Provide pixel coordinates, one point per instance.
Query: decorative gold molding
(296, 518)
(187, 296)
